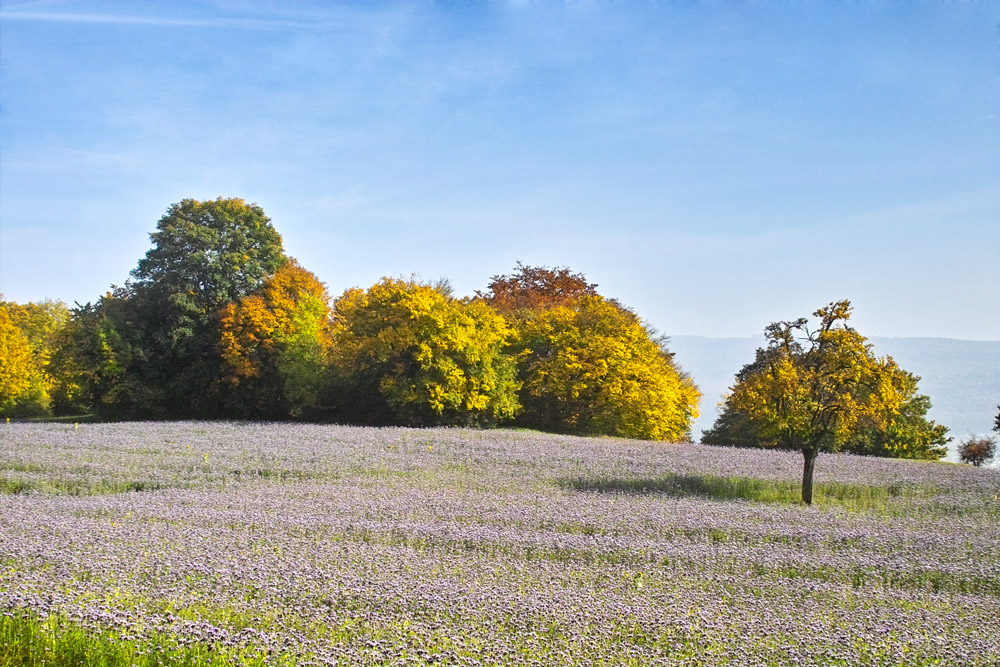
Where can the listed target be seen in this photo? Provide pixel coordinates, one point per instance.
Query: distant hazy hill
(962, 377)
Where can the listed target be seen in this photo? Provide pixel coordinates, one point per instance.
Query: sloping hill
(962, 377)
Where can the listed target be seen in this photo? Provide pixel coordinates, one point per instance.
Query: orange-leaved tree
(534, 288)
(275, 346)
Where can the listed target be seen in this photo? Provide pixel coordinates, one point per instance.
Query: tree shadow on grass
(703, 486)
(854, 496)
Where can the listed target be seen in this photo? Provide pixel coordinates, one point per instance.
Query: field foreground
(184, 543)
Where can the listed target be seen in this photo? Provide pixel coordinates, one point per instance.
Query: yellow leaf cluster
(594, 368)
(432, 358)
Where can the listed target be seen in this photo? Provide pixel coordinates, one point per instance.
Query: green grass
(90, 418)
(29, 641)
(850, 496)
(70, 488)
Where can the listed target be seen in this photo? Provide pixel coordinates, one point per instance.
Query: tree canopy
(822, 389)
(534, 288)
(205, 255)
(218, 322)
(977, 450)
(276, 346)
(593, 368)
(29, 337)
(18, 372)
(406, 352)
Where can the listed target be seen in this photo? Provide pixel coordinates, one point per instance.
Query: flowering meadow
(188, 542)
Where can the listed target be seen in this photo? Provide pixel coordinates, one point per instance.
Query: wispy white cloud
(163, 21)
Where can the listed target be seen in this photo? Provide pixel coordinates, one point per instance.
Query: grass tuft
(27, 640)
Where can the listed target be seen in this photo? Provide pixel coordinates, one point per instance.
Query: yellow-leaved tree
(409, 353)
(19, 376)
(818, 390)
(40, 325)
(587, 364)
(593, 368)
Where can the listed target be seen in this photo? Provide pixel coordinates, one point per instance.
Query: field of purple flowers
(341, 545)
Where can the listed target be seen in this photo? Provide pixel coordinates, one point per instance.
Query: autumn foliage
(977, 451)
(218, 322)
(587, 364)
(821, 389)
(18, 372)
(592, 367)
(406, 352)
(276, 345)
(28, 339)
(534, 288)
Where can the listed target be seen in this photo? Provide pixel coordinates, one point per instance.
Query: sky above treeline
(714, 166)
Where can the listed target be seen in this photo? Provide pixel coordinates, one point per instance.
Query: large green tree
(204, 256)
(97, 360)
(816, 389)
(409, 353)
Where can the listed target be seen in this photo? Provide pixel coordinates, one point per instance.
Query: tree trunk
(808, 464)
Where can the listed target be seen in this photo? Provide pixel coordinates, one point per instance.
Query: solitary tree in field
(907, 435)
(977, 451)
(813, 389)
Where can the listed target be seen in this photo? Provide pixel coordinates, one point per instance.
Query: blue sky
(715, 166)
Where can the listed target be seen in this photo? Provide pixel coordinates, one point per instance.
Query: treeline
(217, 321)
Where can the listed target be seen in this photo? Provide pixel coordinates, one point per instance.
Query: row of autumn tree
(218, 322)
